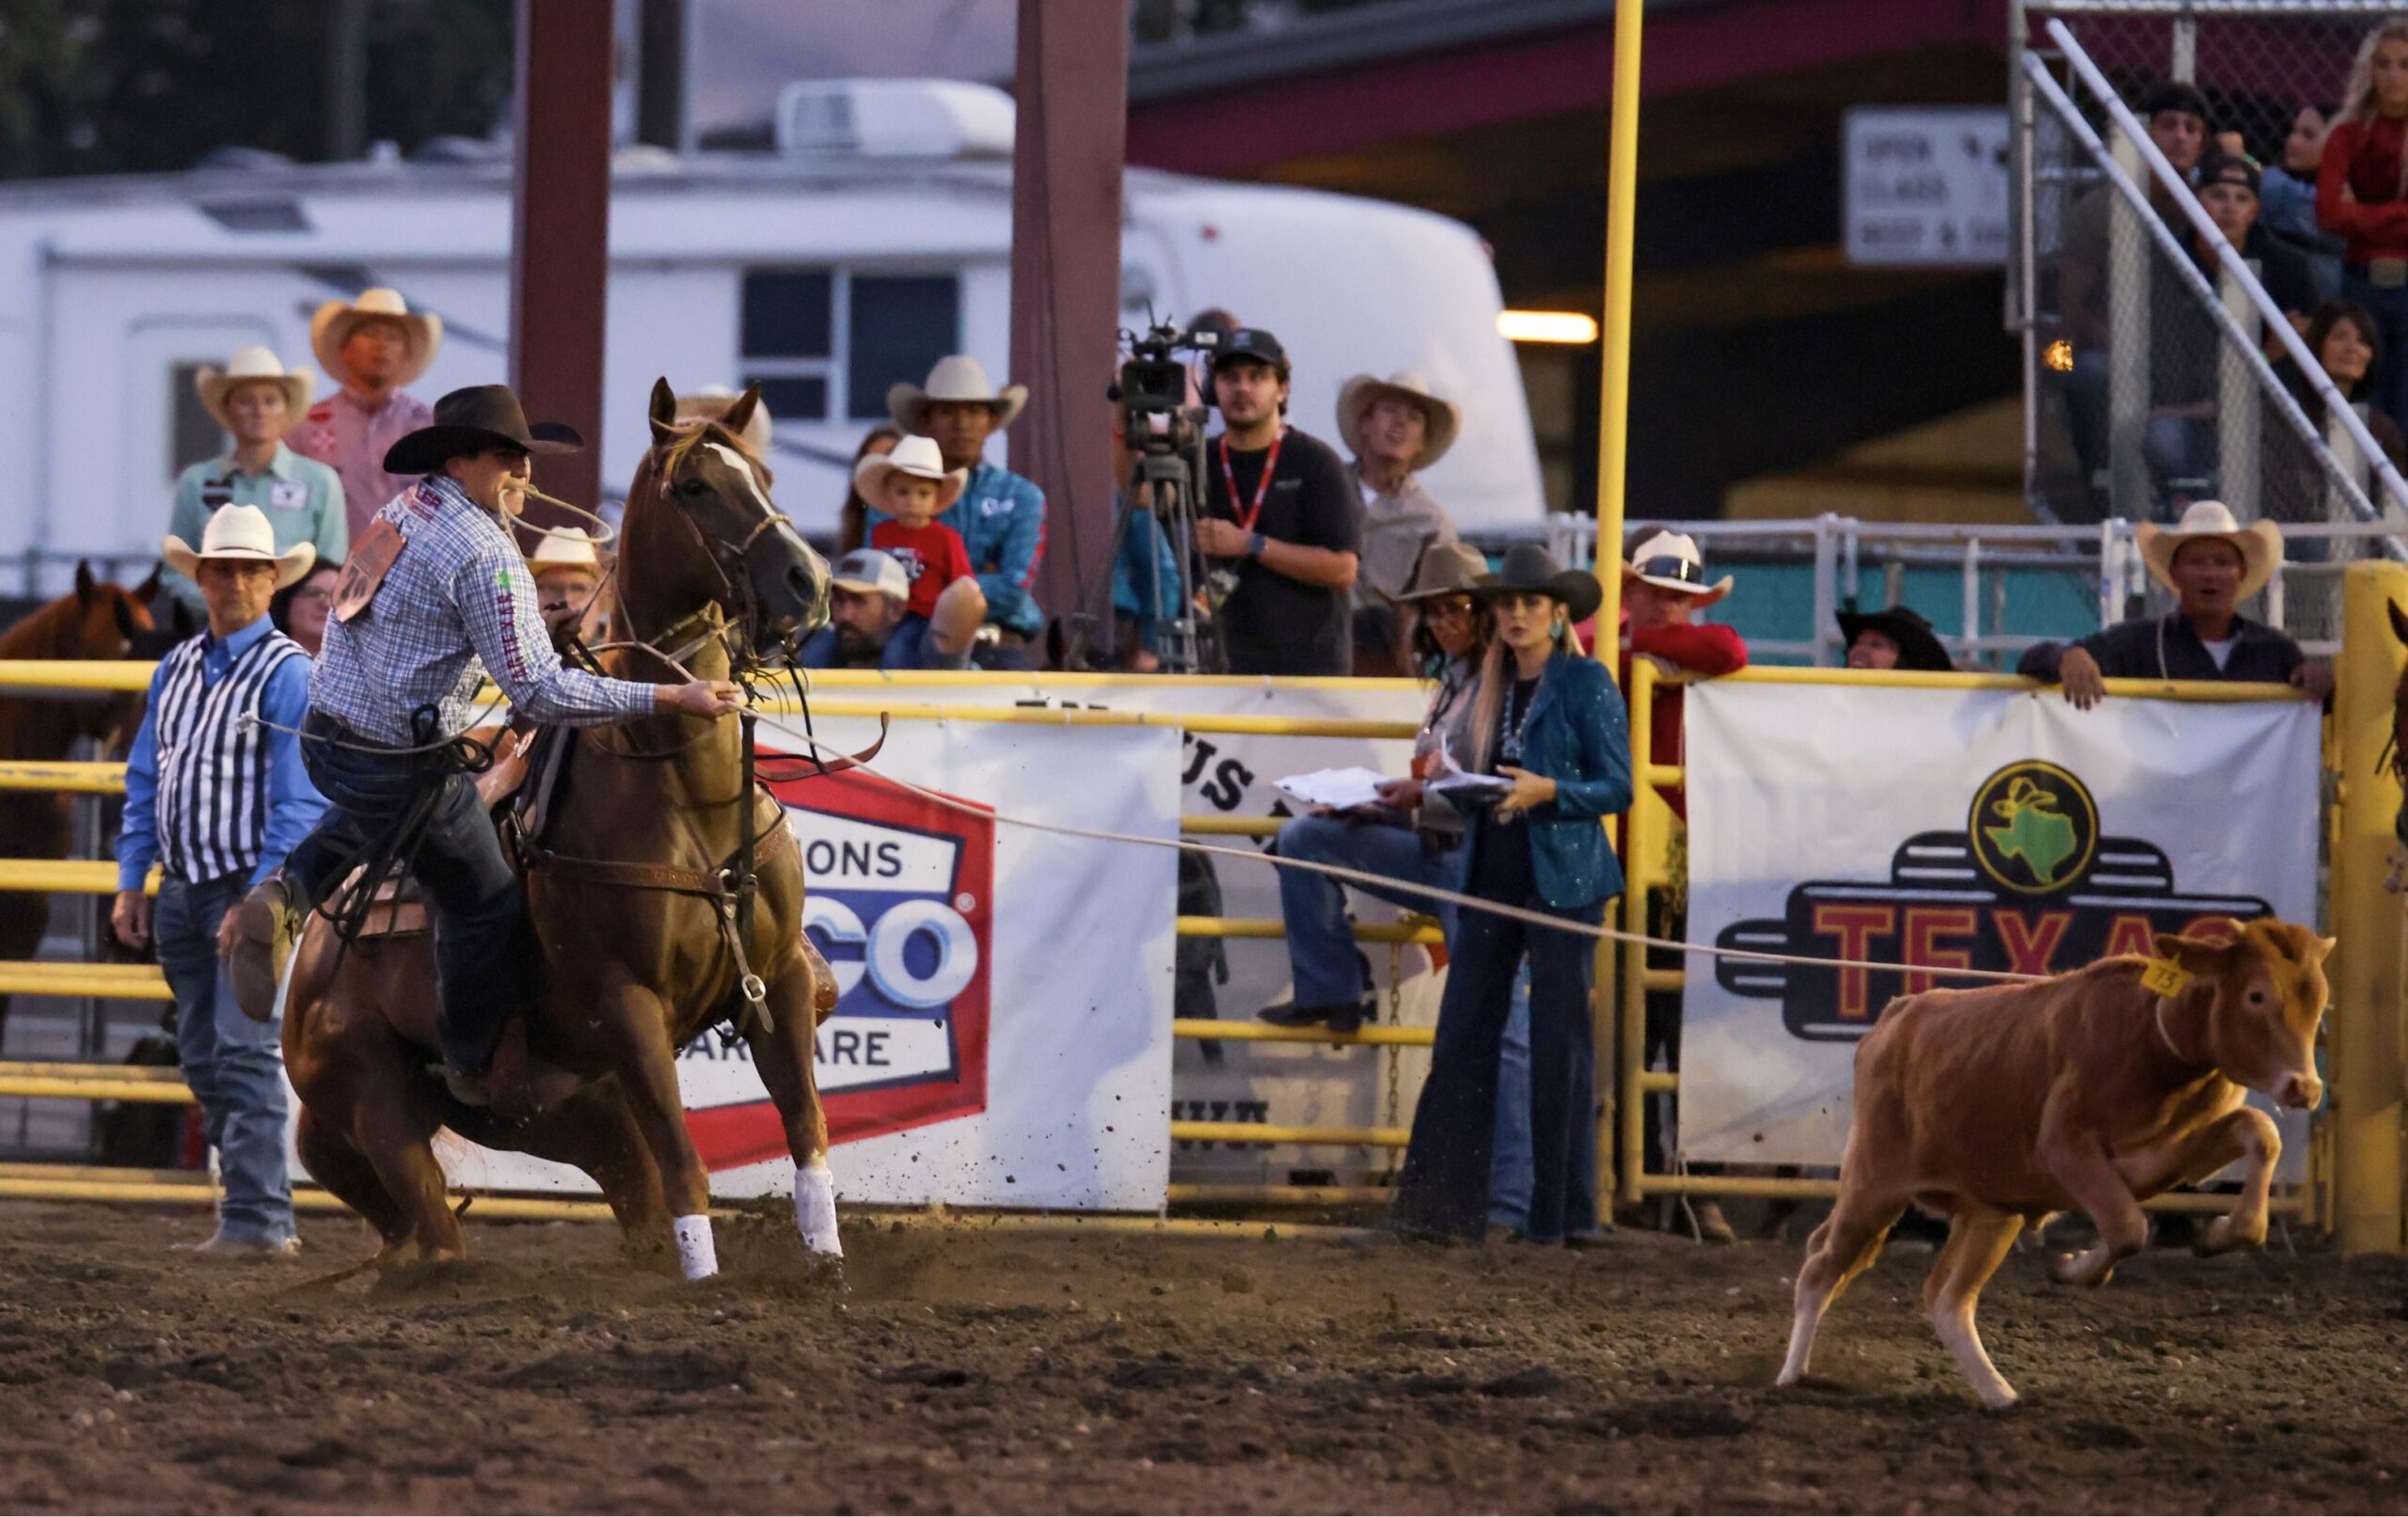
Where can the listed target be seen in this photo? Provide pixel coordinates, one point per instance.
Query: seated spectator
(911, 487)
(1280, 521)
(1395, 428)
(1546, 719)
(2176, 117)
(1897, 638)
(1663, 589)
(868, 596)
(2212, 564)
(999, 515)
(852, 517)
(253, 398)
(2180, 442)
(568, 586)
(2360, 196)
(1412, 835)
(2345, 340)
(300, 610)
(2287, 192)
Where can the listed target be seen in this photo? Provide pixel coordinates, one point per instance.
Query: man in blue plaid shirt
(435, 597)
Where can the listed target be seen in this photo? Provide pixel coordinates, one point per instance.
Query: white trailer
(847, 259)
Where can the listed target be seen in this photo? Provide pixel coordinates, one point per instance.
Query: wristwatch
(1256, 543)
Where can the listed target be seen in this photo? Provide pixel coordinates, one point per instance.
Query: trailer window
(827, 345)
(194, 435)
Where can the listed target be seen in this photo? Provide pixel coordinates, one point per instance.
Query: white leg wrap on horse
(696, 1253)
(814, 1207)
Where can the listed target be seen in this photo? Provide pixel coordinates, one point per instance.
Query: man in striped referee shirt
(216, 801)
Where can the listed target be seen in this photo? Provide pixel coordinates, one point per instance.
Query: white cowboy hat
(332, 326)
(1356, 396)
(565, 548)
(917, 457)
(711, 402)
(240, 534)
(956, 377)
(868, 571)
(249, 365)
(2259, 544)
(1670, 561)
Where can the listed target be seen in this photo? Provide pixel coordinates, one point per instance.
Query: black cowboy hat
(471, 421)
(1530, 568)
(1919, 648)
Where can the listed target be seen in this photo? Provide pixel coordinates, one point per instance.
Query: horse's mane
(692, 436)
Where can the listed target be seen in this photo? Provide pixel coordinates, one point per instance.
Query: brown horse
(98, 620)
(626, 890)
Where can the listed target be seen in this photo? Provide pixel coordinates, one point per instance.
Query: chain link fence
(2140, 364)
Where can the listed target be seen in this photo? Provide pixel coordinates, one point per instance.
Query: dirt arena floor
(966, 1370)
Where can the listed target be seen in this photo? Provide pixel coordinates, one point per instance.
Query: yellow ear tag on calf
(2165, 977)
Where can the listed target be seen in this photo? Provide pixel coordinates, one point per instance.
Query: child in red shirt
(910, 486)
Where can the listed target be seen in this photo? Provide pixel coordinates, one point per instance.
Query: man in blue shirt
(216, 795)
(1000, 515)
(256, 400)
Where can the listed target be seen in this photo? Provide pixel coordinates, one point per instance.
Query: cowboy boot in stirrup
(266, 926)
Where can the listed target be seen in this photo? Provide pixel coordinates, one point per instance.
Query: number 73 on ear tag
(2165, 977)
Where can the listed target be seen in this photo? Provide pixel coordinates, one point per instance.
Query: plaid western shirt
(459, 596)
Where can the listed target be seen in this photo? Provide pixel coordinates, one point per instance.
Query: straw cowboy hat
(565, 548)
(1919, 647)
(1445, 569)
(956, 377)
(2259, 544)
(332, 326)
(915, 457)
(711, 402)
(1530, 568)
(1356, 396)
(250, 366)
(239, 535)
(471, 421)
(1670, 561)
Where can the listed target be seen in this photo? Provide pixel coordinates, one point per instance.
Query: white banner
(1003, 1031)
(1963, 828)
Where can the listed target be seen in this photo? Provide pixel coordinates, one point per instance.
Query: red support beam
(560, 229)
(1072, 89)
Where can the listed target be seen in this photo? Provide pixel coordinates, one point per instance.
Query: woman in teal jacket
(1549, 719)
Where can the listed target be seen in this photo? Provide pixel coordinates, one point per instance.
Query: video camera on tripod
(1165, 432)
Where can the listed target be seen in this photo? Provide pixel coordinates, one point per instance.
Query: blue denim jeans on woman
(234, 1065)
(2389, 307)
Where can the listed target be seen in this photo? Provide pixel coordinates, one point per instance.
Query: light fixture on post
(1566, 327)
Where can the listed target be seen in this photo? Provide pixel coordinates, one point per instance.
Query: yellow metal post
(2365, 970)
(1613, 394)
(1623, 1019)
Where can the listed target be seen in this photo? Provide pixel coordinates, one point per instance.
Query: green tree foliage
(118, 85)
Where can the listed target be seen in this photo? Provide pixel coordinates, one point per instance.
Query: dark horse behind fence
(633, 889)
(97, 620)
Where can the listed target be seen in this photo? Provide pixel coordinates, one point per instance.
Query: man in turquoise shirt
(253, 398)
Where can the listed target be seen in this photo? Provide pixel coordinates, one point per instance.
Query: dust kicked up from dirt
(967, 1370)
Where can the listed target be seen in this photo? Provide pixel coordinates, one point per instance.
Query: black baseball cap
(2229, 168)
(2173, 95)
(1255, 344)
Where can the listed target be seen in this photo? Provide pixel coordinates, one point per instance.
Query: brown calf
(2088, 1091)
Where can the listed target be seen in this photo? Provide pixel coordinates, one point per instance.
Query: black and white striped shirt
(213, 801)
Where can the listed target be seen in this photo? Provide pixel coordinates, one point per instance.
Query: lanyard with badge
(1221, 581)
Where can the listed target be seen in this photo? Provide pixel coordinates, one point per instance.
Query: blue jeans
(1509, 1173)
(1321, 945)
(2181, 454)
(2389, 309)
(235, 1065)
(907, 647)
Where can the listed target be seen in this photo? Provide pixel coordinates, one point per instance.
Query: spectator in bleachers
(216, 806)
(1412, 835)
(259, 402)
(569, 572)
(1395, 428)
(1898, 637)
(2177, 119)
(1280, 523)
(2344, 339)
(2180, 443)
(1000, 515)
(2212, 564)
(374, 347)
(1547, 719)
(300, 609)
(852, 517)
(2362, 197)
(869, 596)
(2289, 192)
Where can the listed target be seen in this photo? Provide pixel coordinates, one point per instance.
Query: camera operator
(1280, 523)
